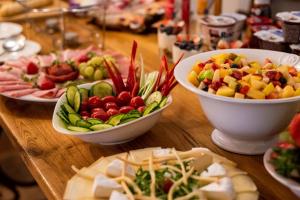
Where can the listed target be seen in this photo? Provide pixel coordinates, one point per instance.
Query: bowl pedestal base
(241, 146)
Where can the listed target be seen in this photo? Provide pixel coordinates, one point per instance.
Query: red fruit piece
(273, 95)
(294, 129)
(237, 74)
(83, 58)
(292, 71)
(141, 109)
(108, 99)
(244, 89)
(137, 102)
(126, 109)
(32, 68)
(97, 110)
(84, 105)
(85, 114)
(112, 112)
(110, 105)
(100, 115)
(46, 84)
(216, 85)
(124, 98)
(207, 81)
(95, 102)
(285, 145)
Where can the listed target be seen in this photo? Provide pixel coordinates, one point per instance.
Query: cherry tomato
(100, 115)
(97, 110)
(141, 109)
(84, 105)
(109, 105)
(85, 117)
(112, 112)
(294, 129)
(137, 102)
(108, 99)
(84, 113)
(285, 145)
(124, 98)
(126, 109)
(274, 155)
(95, 102)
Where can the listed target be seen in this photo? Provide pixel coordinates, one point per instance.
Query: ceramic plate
(8, 29)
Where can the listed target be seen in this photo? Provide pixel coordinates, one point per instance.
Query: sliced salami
(4, 88)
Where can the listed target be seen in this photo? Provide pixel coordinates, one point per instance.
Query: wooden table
(49, 155)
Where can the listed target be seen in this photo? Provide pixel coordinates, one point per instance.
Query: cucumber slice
(77, 101)
(131, 114)
(116, 119)
(78, 129)
(99, 127)
(129, 120)
(101, 89)
(68, 109)
(154, 97)
(163, 102)
(84, 94)
(94, 121)
(71, 91)
(63, 111)
(150, 108)
(62, 117)
(73, 117)
(83, 123)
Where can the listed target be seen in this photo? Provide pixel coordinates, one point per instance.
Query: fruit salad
(235, 76)
(285, 156)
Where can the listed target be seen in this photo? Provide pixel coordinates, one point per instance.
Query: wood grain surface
(49, 155)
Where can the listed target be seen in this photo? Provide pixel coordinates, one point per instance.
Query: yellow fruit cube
(223, 73)
(243, 83)
(208, 66)
(298, 74)
(196, 68)
(216, 76)
(288, 91)
(297, 79)
(228, 79)
(211, 91)
(192, 78)
(254, 77)
(225, 91)
(297, 93)
(220, 58)
(232, 84)
(239, 96)
(269, 89)
(255, 65)
(255, 94)
(284, 70)
(257, 84)
(251, 70)
(246, 78)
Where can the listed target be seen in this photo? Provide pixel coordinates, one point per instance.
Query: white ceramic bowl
(116, 135)
(291, 184)
(243, 126)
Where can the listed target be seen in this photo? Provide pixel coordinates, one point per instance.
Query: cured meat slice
(20, 93)
(46, 60)
(4, 88)
(46, 93)
(6, 76)
(18, 82)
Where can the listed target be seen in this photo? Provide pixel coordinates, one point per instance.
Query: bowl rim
(182, 79)
(65, 131)
(290, 183)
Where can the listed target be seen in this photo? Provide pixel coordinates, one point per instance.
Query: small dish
(8, 29)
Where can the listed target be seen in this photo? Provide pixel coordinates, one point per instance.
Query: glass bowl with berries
(283, 160)
(248, 95)
(115, 111)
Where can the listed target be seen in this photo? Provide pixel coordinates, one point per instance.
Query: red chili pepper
(131, 79)
(119, 77)
(113, 77)
(135, 89)
(160, 73)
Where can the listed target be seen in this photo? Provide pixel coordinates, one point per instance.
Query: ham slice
(20, 93)
(4, 88)
(46, 60)
(14, 83)
(46, 93)
(6, 76)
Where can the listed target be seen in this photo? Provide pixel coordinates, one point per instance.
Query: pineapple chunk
(257, 84)
(208, 66)
(192, 78)
(268, 89)
(297, 93)
(246, 78)
(220, 58)
(297, 85)
(232, 84)
(298, 74)
(239, 96)
(254, 77)
(243, 83)
(255, 65)
(196, 68)
(288, 91)
(255, 94)
(297, 79)
(278, 88)
(216, 76)
(228, 79)
(251, 70)
(211, 91)
(284, 70)
(223, 73)
(225, 91)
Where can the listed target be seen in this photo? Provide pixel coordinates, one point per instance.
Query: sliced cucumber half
(78, 129)
(116, 119)
(150, 108)
(99, 127)
(94, 121)
(101, 89)
(71, 91)
(74, 117)
(77, 101)
(154, 97)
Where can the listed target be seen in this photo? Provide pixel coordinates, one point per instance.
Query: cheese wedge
(221, 190)
(247, 195)
(243, 183)
(115, 195)
(214, 170)
(103, 186)
(114, 169)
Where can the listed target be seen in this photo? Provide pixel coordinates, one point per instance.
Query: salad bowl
(115, 135)
(245, 126)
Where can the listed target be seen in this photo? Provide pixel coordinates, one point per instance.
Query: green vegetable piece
(71, 91)
(78, 129)
(206, 74)
(84, 94)
(154, 97)
(131, 114)
(163, 102)
(94, 121)
(63, 117)
(68, 109)
(74, 117)
(83, 123)
(128, 120)
(99, 127)
(77, 101)
(285, 137)
(101, 89)
(116, 119)
(150, 108)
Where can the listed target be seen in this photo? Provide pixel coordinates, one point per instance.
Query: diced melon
(239, 95)
(223, 73)
(251, 70)
(243, 83)
(291, 80)
(232, 84)
(297, 85)
(255, 94)
(228, 79)
(225, 91)
(216, 76)
(254, 77)
(192, 78)
(246, 78)
(297, 93)
(196, 68)
(288, 91)
(257, 84)
(255, 65)
(220, 58)
(208, 66)
(268, 89)
(206, 74)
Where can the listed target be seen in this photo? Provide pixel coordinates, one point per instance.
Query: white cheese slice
(161, 152)
(221, 190)
(214, 169)
(115, 195)
(243, 183)
(103, 186)
(114, 169)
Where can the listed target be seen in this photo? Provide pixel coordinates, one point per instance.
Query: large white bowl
(243, 126)
(291, 184)
(116, 135)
